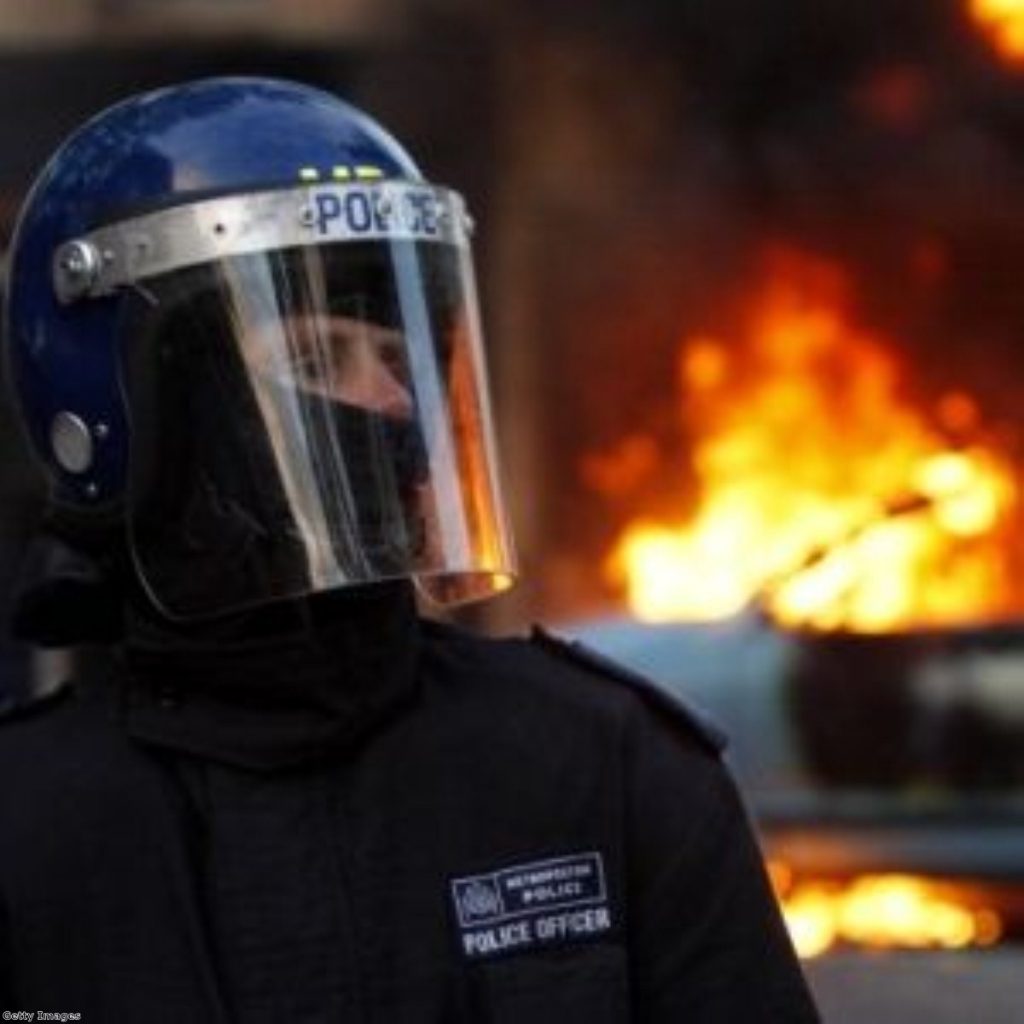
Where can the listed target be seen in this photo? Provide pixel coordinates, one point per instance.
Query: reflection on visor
(309, 419)
(340, 357)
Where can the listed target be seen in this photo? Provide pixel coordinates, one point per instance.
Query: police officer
(243, 335)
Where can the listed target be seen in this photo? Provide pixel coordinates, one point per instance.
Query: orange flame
(821, 491)
(882, 912)
(1003, 22)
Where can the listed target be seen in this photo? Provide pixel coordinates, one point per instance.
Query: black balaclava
(263, 689)
(209, 505)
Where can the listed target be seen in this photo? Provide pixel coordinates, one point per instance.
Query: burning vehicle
(805, 509)
(844, 596)
(853, 558)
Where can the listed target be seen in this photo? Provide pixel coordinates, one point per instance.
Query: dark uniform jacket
(384, 821)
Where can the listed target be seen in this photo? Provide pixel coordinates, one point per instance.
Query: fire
(821, 491)
(1003, 22)
(882, 912)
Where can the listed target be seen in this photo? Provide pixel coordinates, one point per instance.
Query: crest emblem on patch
(478, 900)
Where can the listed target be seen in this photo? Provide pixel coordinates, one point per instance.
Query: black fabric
(66, 596)
(698, 724)
(144, 878)
(293, 682)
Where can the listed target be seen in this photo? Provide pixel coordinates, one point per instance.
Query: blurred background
(750, 279)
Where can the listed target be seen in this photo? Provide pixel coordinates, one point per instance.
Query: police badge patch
(528, 906)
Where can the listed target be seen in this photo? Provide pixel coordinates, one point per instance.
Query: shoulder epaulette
(697, 723)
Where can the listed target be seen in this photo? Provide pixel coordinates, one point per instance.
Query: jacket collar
(278, 688)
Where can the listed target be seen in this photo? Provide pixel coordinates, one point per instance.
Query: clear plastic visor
(311, 418)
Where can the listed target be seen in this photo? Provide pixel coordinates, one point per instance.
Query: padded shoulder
(696, 723)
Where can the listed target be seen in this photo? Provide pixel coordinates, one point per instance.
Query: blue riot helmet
(240, 322)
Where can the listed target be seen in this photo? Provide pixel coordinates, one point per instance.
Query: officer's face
(343, 358)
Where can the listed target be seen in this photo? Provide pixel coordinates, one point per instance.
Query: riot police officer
(243, 335)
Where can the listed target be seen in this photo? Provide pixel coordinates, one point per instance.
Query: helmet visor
(310, 418)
